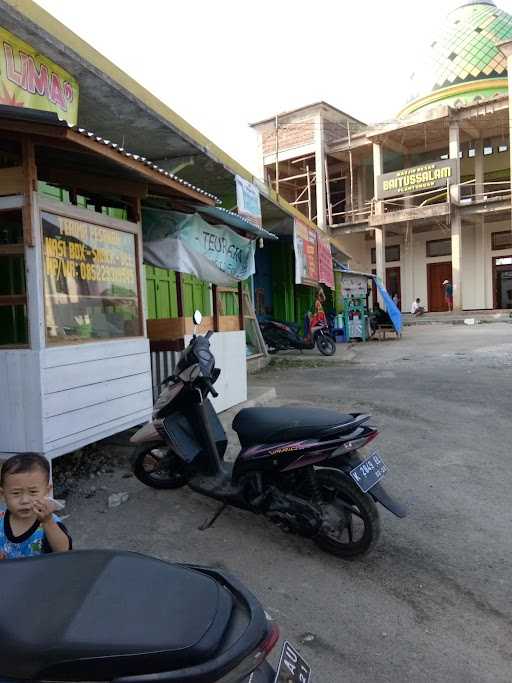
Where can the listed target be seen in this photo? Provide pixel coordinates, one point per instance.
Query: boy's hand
(44, 509)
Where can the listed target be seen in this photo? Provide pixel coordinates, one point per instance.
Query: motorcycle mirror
(197, 317)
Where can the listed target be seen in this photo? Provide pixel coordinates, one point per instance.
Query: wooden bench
(383, 328)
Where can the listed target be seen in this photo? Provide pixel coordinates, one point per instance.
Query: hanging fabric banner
(391, 307)
(306, 254)
(214, 253)
(325, 267)
(248, 201)
(29, 79)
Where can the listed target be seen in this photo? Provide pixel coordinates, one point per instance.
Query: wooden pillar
(456, 218)
(240, 289)
(179, 295)
(30, 186)
(216, 308)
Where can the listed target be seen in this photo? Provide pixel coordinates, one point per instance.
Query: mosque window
(439, 247)
(443, 157)
(487, 150)
(471, 152)
(502, 148)
(392, 253)
(501, 240)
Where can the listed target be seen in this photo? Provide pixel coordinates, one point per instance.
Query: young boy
(28, 527)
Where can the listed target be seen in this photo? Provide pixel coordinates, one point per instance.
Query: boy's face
(22, 489)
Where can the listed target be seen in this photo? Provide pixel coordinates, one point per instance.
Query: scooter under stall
(280, 336)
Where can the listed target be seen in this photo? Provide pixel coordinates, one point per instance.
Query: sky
(222, 65)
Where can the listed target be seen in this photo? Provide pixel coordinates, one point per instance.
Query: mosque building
(426, 198)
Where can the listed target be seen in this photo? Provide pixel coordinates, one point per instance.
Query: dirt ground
(432, 603)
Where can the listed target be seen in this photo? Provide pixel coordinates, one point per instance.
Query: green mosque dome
(464, 63)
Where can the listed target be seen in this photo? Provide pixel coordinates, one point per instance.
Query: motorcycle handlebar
(208, 334)
(209, 386)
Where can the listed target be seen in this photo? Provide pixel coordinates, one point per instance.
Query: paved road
(433, 602)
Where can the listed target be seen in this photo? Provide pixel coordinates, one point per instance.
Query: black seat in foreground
(277, 425)
(98, 615)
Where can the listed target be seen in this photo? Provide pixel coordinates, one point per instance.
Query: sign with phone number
(85, 259)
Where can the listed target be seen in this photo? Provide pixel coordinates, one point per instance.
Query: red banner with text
(325, 268)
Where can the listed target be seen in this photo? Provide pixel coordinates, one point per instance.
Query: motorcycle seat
(278, 425)
(106, 614)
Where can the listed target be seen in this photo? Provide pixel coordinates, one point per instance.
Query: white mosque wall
(477, 262)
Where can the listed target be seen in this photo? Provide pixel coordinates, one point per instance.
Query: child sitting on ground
(28, 526)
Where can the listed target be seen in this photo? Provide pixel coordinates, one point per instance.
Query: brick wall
(292, 134)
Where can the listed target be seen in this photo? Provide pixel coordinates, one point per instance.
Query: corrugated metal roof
(235, 221)
(142, 160)
(50, 118)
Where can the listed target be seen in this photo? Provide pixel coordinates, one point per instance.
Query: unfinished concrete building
(425, 198)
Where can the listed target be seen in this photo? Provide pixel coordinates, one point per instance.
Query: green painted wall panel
(283, 272)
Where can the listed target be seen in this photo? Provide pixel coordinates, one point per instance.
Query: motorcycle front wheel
(351, 524)
(158, 466)
(326, 345)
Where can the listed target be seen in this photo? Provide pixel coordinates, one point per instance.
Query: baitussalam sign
(32, 81)
(436, 174)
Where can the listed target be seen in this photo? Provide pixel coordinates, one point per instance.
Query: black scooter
(279, 336)
(298, 466)
(100, 615)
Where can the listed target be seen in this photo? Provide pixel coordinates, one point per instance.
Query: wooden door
(437, 273)
(502, 276)
(393, 283)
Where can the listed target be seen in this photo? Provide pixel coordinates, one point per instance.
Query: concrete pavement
(432, 602)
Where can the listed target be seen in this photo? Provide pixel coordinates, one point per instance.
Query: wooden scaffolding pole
(328, 192)
(309, 191)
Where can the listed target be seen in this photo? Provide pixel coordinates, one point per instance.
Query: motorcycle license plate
(292, 667)
(369, 472)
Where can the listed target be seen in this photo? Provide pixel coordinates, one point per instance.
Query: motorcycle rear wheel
(157, 466)
(326, 345)
(343, 503)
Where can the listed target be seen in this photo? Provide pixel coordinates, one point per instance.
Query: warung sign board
(248, 201)
(31, 80)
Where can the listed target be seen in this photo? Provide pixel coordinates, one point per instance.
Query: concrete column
(321, 202)
(361, 182)
(456, 219)
(479, 166)
(380, 258)
(408, 293)
(378, 169)
(480, 259)
(480, 256)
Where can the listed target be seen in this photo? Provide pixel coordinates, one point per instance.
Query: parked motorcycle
(298, 466)
(279, 336)
(100, 615)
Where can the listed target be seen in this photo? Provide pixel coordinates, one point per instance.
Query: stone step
(458, 318)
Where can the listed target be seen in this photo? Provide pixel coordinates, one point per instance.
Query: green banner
(227, 250)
